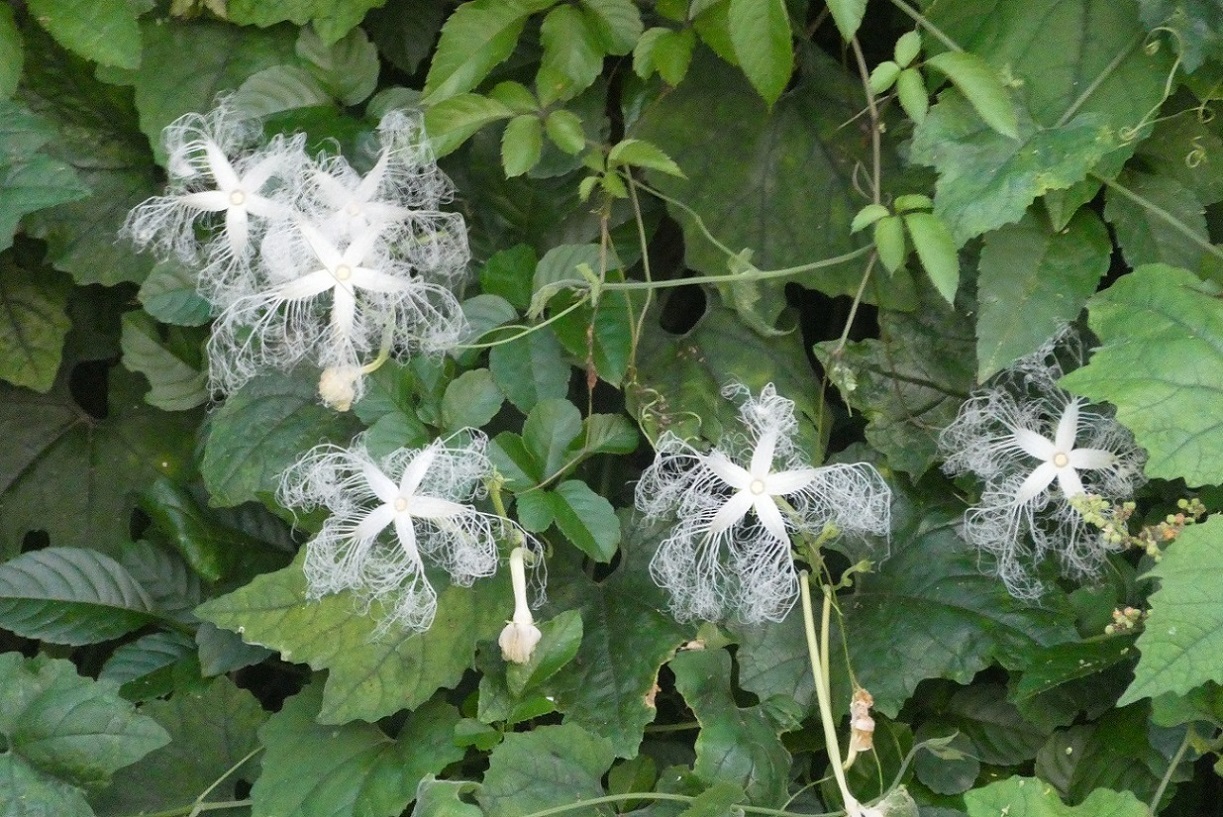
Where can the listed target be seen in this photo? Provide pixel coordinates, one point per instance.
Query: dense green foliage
(877, 208)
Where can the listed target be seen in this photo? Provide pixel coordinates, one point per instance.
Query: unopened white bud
(520, 636)
(338, 386)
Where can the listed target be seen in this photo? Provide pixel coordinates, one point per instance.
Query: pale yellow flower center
(1061, 459)
(401, 504)
(757, 487)
(237, 198)
(343, 272)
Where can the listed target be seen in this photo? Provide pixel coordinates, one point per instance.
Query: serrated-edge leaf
(106, 33)
(981, 86)
(521, 144)
(452, 121)
(175, 384)
(33, 325)
(477, 37)
(847, 14)
(641, 153)
(71, 596)
(760, 33)
(936, 249)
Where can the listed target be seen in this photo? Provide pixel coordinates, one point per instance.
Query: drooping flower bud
(338, 386)
(520, 636)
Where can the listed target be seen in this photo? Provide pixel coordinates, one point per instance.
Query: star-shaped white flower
(355, 204)
(1059, 459)
(757, 488)
(238, 196)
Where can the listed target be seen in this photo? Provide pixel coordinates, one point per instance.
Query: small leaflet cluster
(1040, 453)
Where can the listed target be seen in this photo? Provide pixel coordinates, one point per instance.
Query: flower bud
(520, 636)
(338, 386)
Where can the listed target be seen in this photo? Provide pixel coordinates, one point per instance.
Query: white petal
(729, 514)
(373, 524)
(770, 517)
(343, 312)
(356, 252)
(1092, 459)
(429, 507)
(369, 185)
(1068, 480)
(258, 175)
(383, 486)
(733, 475)
(1034, 444)
(323, 249)
(406, 532)
(1067, 427)
(377, 281)
(237, 230)
(1037, 481)
(222, 171)
(210, 201)
(314, 283)
(416, 470)
(787, 482)
(762, 457)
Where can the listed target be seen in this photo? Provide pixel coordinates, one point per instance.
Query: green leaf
(440, 798)
(332, 18)
(521, 144)
(177, 385)
(477, 37)
(910, 383)
(285, 410)
(608, 434)
(509, 273)
(572, 58)
(367, 678)
(616, 22)
(998, 733)
(11, 53)
(889, 235)
(351, 770)
(516, 464)
(452, 121)
(472, 399)
(348, 68)
(558, 644)
(547, 767)
(1032, 280)
(735, 745)
(980, 85)
(639, 153)
(106, 33)
(169, 294)
(1053, 666)
(29, 179)
(666, 51)
(71, 596)
(148, 667)
(847, 14)
(548, 432)
(211, 731)
(913, 96)
(1030, 797)
(1145, 236)
(627, 637)
(278, 89)
(715, 801)
(171, 585)
(565, 130)
(560, 266)
(530, 369)
(760, 33)
(936, 250)
(986, 179)
(1144, 323)
(867, 216)
(223, 56)
(70, 474)
(1181, 646)
(586, 519)
(33, 324)
(57, 724)
(25, 791)
(754, 175)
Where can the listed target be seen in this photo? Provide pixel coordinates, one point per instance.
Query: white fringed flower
(216, 168)
(1036, 448)
(391, 517)
(736, 507)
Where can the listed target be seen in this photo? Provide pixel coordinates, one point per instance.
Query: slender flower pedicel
(520, 636)
(1037, 449)
(736, 507)
(391, 517)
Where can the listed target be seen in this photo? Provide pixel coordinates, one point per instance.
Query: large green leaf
(627, 636)
(71, 596)
(33, 324)
(760, 34)
(368, 677)
(59, 725)
(25, 792)
(986, 179)
(735, 745)
(475, 39)
(910, 383)
(586, 519)
(332, 19)
(572, 57)
(530, 369)
(211, 731)
(547, 767)
(262, 429)
(998, 733)
(1030, 797)
(70, 474)
(779, 183)
(353, 770)
(106, 33)
(1032, 280)
(1181, 646)
(222, 58)
(1198, 25)
(178, 380)
(97, 135)
(1145, 234)
(1161, 365)
(1071, 56)
(30, 180)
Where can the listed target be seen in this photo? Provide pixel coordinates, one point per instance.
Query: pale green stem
(1163, 215)
(1098, 81)
(746, 277)
(526, 330)
(676, 798)
(1167, 778)
(921, 20)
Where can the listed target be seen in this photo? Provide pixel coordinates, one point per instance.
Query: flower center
(401, 504)
(1061, 459)
(354, 209)
(757, 487)
(343, 272)
(237, 198)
